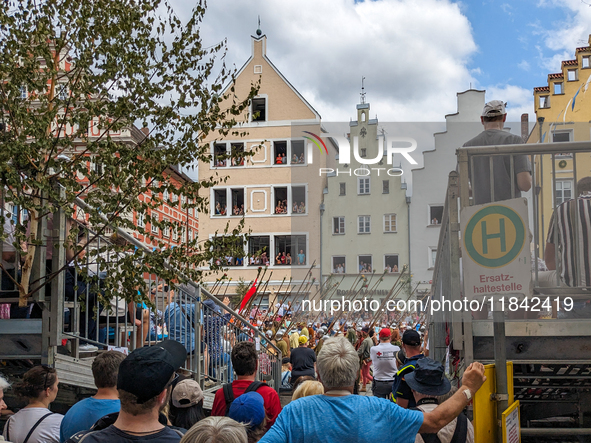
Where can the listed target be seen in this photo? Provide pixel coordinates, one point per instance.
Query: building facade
(365, 219)
(563, 113)
(430, 184)
(277, 189)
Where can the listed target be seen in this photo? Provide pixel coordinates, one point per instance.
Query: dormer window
(259, 109)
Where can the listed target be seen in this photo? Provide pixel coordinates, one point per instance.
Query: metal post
(500, 364)
(58, 283)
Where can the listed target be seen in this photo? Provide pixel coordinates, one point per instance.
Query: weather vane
(259, 32)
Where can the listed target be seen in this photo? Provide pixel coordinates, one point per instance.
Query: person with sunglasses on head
(35, 422)
(145, 380)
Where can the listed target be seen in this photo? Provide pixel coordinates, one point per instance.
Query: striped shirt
(564, 219)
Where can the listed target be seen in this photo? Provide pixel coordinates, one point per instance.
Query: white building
(365, 219)
(430, 184)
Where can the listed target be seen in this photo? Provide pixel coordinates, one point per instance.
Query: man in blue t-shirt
(343, 416)
(85, 413)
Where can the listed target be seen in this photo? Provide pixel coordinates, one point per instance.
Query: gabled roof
(241, 70)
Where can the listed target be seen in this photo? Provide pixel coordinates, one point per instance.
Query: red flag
(248, 295)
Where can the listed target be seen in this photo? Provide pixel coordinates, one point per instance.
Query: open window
(281, 204)
(544, 101)
(259, 109)
(365, 263)
(338, 265)
(298, 156)
(435, 214)
(237, 154)
(298, 200)
(391, 263)
(220, 203)
(280, 152)
(258, 250)
(238, 201)
(338, 225)
(219, 155)
(290, 250)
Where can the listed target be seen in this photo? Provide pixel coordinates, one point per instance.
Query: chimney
(146, 131)
(524, 126)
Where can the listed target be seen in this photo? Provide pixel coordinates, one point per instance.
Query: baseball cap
(385, 332)
(494, 108)
(411, 338)
(428, 378)
(186, 393)
(249, 408)
(303, 339)
(146, 371)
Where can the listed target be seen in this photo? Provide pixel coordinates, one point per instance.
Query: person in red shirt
(245, 363)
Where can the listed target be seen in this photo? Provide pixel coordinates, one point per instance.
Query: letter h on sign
(500, 235)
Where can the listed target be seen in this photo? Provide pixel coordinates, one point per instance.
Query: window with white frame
(23, 92)
(190, 233)
(562, 136)
(220, 155)
(572, 75)
(140, 219)
(435, 214)
(166, 229)
(155, 229)
(563, 191)
(365, 263)
(165, 195)
(298, 153)
(389, 222)
(259, 109)
(363, 185)
(338, 264)
(338, 225)
(586, 62)
(432, 256)
(364, 224)
(298, 200)
(558, 88)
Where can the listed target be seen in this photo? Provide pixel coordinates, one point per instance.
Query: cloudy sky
(415, 55)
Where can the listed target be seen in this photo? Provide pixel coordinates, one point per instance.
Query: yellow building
(278, 189)
(563, 111)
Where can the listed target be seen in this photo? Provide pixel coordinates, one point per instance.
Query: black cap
(365, 329)
(428, 378)
(285, 360)
(411, 338)
(146, 371)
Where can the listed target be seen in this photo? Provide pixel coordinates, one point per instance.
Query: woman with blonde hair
(307, 388)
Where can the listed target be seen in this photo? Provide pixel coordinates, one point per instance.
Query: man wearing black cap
(401, 393)
(144, 381)
(429, 384)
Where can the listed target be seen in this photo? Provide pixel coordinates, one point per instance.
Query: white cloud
(565, 35)
(414, 55)
(524, 65)
(519, 100)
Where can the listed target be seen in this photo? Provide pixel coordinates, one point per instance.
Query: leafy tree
(77, 77)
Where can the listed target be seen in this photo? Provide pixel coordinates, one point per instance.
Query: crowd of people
(147, 396)
(282, 207)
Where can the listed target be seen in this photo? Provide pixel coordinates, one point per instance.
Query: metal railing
(74, 315)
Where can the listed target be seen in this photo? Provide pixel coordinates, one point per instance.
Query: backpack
(229, 392)
(460, 432)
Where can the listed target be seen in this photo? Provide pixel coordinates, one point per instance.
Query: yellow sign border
(504, 416)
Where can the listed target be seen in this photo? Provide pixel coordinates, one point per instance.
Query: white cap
(494, 108)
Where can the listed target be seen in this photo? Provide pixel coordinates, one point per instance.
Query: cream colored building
(274, 125)
(563, 113)
(365, 220)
